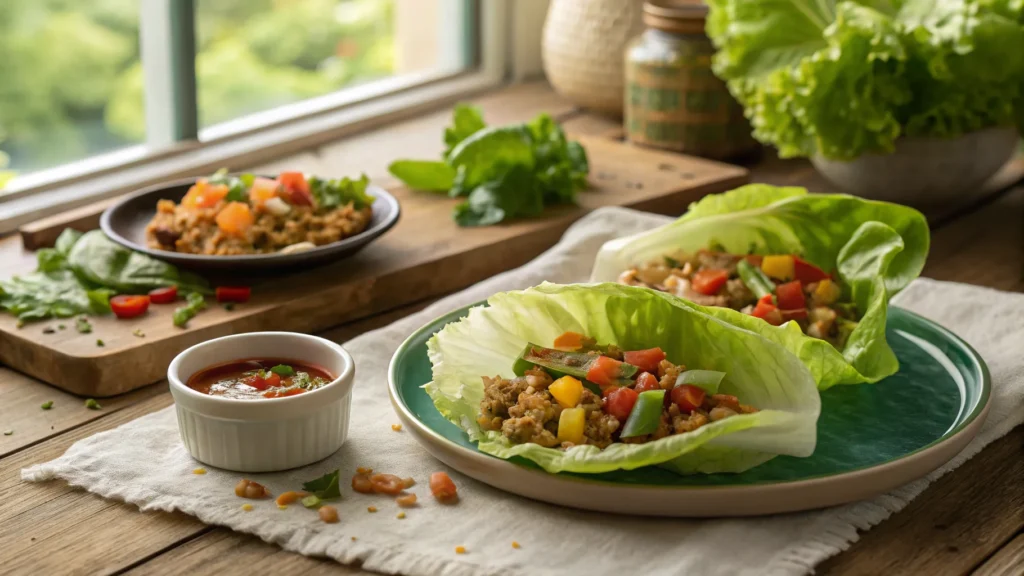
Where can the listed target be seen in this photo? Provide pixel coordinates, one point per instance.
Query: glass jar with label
(673, 100)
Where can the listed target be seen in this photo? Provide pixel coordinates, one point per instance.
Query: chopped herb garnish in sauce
(260, 378)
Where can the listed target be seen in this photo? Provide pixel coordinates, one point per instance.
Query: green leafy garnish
(194, 302)
(335, 193)
(504, 172)
(325, 487)
(100, 343)
(82, 325)
(311, 501)
(92, 404)
(47, 405)
(8, 432)
(238, 186)
(283, 370)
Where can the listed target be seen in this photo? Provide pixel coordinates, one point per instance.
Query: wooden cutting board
(424, 256)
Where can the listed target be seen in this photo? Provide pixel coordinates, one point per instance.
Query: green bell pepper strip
(756, 280)
(707, 380)
(645, 415)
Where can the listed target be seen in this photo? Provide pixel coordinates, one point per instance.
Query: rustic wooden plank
(22, 398)
(368, 152)
(1008, 561)
(954, 525)
(426, 251)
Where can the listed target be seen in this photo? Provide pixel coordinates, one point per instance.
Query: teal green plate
(871, 438)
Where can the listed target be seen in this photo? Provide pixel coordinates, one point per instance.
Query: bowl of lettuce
(875, 248)
(489, 339)
(840, 80)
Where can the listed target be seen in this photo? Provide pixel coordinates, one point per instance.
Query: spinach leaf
(424, 174)
(516, 192)
(56, 294)
(100, 261)
(66, 240)
(332, 193)
(483, 154)
(466, 121)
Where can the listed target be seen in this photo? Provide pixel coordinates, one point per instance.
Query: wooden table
(970, 521)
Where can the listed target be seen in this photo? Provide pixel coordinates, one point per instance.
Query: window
(66, 68)
(81, 79)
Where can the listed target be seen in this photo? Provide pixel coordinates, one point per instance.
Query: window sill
(127, 170)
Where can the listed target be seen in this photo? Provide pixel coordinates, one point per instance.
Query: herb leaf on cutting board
(504, 172)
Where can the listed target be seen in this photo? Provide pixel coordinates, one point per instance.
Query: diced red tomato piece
(688, 397)
(126, 306)
(604, 371)
(646, 381)
(767, 311)
(607, 390)
(442, 487)
(297, 187)
(646, 360)
(620, 403)
(256, 381)
(755, 259)
(263, 382)
(798, 314)
(233, 293)
(806, 272)
(204, 195)
(283, 393)
(709, 282)
(164, 295)
(790, 296)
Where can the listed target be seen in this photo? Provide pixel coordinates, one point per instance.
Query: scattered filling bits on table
(47, 405)
(138, 333)
(460, 549)
(82, 325)
(199, 471)
(291, 496)
(396, 427)
(282, 507)
(8, 432)
(516, 545)
(328, 514)
(401, 516)
(49, 330)
(249, 489)
(407, 501)
(92, 404)
(443, 489)
(371, 509)
(247, 507)
(99, 343)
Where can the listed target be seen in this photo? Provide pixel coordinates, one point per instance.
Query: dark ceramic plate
(125, 223)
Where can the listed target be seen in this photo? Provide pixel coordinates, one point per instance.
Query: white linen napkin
(144, 463)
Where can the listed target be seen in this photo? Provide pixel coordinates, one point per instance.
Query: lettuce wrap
(488, 341)
(876, 248)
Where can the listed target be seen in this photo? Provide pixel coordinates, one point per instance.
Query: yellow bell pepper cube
(778, 267)
(567, 391)
(827, 292)
(570, 425)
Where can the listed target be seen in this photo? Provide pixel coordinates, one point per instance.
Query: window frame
(176, 148)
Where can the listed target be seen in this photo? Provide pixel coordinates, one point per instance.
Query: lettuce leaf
(844, 78)
(876, 247)
(489, 339)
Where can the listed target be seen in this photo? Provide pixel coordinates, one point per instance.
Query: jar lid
(680, 16)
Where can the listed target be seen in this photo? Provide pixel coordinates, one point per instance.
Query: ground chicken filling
(775, 288)
(581, 393)
(225, 215)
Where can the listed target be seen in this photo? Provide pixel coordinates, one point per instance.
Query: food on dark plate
(584, 393)
(249, 214)
(258, 378)
(776, 288)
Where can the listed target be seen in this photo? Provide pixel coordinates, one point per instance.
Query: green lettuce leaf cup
(488, 341)
(877, 248)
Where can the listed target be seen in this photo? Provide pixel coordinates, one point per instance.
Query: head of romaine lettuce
(877, 248)
(758, 371)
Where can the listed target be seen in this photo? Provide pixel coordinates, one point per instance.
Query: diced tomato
(442, 487)
(688, 397)
(767, 311)
(798, 314)
(646, 360)
(709, 282)
(125, 306)
(164, 295)
(645, 382)
(790, 296)
(204, 195)
(604, 371)
(755, 259)
(569, 341)
(806, 272)
(608, 390)
(233, 294)
(283, 393)
(620, 403)
(263, 189)
(235, 219)
(296, 187)
(263, 382)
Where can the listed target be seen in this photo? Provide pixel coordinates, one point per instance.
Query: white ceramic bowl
(270, 434)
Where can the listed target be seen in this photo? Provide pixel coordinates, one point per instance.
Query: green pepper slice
(754, 279)
(645, 415)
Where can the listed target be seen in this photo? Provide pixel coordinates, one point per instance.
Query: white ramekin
(269, 434)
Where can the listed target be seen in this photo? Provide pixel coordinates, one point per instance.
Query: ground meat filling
(527, 408)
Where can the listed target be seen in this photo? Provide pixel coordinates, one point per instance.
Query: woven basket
(583, 49)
